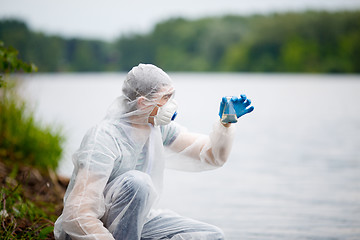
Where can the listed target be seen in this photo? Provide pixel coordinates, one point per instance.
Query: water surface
(294, 172)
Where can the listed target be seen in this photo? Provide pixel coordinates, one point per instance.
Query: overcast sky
(108, 19)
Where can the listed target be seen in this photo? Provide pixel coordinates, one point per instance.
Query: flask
(229, 113)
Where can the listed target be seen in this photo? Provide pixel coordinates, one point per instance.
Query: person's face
(161, 102)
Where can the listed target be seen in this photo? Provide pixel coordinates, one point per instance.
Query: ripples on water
(294, 172)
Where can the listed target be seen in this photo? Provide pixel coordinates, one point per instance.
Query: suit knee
(220, 234)
(137, 185)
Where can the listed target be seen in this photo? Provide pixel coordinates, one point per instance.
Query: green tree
(312, 41)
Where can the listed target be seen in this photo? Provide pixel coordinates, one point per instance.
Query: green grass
(24, 140)
(21, 218)
(29, 152)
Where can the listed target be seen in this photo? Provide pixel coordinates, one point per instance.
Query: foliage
(25, 144)
(183, 45)
(24, 140)
(312, 41)
(54, 53)
(10, 63)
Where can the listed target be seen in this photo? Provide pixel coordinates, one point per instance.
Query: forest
(299, 42)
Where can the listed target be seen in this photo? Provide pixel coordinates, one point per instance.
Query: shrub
(24, 140)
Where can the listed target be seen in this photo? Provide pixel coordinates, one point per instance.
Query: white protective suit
(118, 169)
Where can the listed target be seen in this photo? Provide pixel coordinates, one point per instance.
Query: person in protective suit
(118, 169)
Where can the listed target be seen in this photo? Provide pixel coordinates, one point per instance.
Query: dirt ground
(42, 188)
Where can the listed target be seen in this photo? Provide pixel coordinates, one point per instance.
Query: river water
(294, 172)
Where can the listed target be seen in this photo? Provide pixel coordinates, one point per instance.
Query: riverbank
(31, 201)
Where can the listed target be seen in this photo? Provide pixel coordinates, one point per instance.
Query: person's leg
(169, 225)
(128, 199)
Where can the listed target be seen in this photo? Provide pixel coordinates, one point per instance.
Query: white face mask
(166, 113)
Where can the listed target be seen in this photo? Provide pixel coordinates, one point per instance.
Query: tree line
(311, 41)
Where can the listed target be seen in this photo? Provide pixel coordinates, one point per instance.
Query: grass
(31, 195)
(24, 140)
(21, 218)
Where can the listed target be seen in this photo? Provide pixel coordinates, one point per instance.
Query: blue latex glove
(241, 105)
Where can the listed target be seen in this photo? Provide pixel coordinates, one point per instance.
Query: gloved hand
(241, 105)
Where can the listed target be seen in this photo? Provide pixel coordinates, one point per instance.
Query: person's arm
(212, 149)
(85, 205)
(84, 208)
(209, 151)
